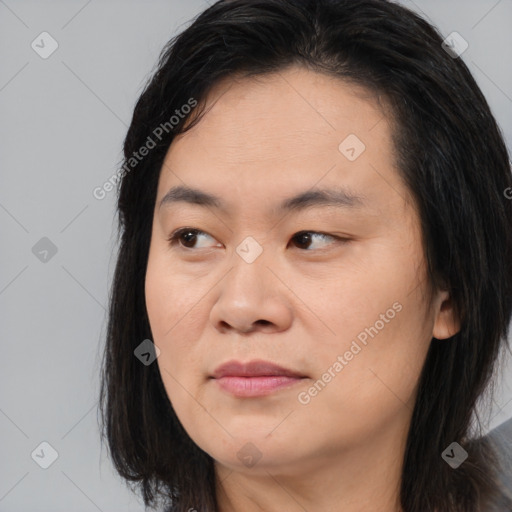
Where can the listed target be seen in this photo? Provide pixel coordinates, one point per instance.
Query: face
(309, 258)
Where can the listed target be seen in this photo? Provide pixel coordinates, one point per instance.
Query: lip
(256, 368)
(254, 378)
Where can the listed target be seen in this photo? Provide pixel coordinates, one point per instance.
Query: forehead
(291, 109)
(286, 131)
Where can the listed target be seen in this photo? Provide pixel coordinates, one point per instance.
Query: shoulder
(500, 439)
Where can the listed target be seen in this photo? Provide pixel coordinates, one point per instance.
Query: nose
(252, 297)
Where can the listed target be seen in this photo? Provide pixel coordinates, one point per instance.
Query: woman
(314, 280)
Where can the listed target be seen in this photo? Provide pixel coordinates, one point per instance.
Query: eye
(186, 237)
(306, 238)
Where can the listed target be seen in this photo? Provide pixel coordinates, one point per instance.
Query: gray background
(63, 120)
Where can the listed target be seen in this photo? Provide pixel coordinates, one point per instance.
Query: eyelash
(173, 239)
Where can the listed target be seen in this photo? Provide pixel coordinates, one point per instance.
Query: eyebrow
(338, 197)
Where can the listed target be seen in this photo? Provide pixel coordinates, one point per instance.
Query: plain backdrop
(63, 119)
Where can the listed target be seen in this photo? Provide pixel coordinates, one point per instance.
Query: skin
(299, 304)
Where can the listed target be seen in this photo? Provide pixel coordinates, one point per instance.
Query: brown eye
(186, 237)
(304, 239)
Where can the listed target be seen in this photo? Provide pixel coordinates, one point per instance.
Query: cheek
(366, 300)
(169, 299)
(361, 388)
(176, 316)
(381, 329)
(174, 326)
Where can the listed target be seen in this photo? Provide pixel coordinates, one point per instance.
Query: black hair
(451, 155)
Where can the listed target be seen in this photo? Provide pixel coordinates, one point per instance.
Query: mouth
(255, 378)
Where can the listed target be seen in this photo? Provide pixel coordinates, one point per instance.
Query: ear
(446, 324)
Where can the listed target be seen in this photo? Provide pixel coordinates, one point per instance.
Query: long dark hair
(450, 154)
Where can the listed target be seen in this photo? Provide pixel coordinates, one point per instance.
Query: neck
(362, 478)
